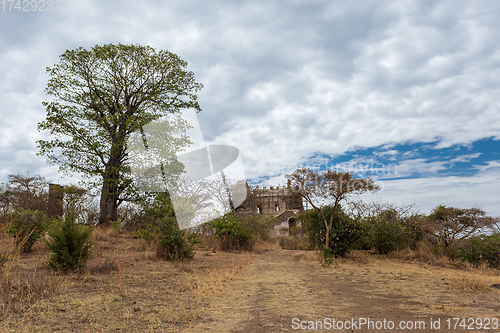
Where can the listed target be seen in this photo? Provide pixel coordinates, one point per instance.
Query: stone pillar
(55, 204)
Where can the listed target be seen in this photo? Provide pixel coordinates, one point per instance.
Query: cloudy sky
(405, 92)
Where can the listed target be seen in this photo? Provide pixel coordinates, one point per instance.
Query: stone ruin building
(281, 202)
(56, 198)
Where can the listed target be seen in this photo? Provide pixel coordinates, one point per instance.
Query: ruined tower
(281, 202)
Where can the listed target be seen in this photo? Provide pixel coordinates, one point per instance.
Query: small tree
(328, 189)
(452, 224)
(70, 245)
(27, 192)
(5, 200)
(343, 235)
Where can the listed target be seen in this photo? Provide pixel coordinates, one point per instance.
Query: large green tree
(99, 98)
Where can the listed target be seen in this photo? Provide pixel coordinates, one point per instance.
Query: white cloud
(465, 158)
(426, 193)
(283, 80)
(490, 165)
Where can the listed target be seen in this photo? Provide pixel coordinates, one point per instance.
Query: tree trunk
(327, 241)
(108, 209)
(110, 192)
(329, 224)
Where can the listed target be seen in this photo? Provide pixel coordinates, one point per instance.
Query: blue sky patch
(412, 160)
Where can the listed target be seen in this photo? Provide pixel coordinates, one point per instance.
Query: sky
(404, 92)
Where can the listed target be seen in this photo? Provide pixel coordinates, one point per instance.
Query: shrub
(171, 243)
(27, 227)
(70, 245)
(391, 230)
(260, 225)
(294, 243)
(163, 231)
(344, 234)
(481, 249)
(386, 235)
(232, 233)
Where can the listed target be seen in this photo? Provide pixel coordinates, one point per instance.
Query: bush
(232, 233)
(170, 242)
(385, 235)
(390, 230)
(344, 234)
(27, 227)
(481, 249)
(70, 245)
(261, 225)
(163, 231)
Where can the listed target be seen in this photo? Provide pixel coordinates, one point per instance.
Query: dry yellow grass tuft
(20, 288)
(212, 281)
(470, 284)
(311, 256)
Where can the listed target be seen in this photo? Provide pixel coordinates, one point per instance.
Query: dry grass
(470, 284)
(424, 254)
(106, 267)
(122, 287)
(213, 281)
(20, 288)
(299, 242)
(311, 256)
(262, 246)
(125, 287)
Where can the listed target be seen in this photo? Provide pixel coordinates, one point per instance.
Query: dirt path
(279, 286)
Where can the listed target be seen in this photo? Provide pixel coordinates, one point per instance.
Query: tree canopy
(100, 97)
(329, 188)
(451, 224)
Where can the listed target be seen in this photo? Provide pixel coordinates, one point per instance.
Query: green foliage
(344, 234)
(27, 227)
(450, 225)
(388, 232)
(261, 225)
(70, 245)
(163, 231)
(328, 189)
(116, 226)
(232, 233)
(99, 98)
(172, 243)
(328, 257)
(481, 249)
(389, 236)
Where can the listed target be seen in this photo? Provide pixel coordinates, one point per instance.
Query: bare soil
(124, 288)
(282, 285)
